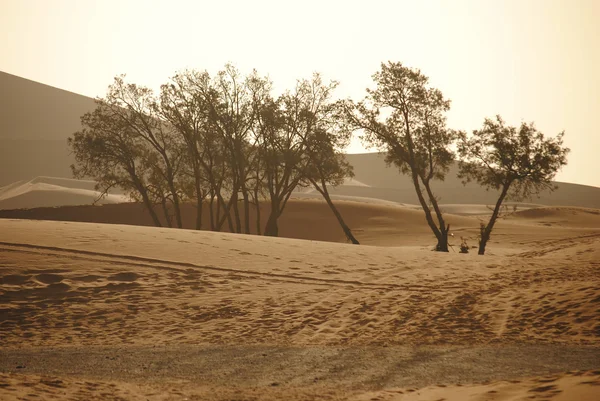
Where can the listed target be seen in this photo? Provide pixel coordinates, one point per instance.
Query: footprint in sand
(126, 276)
(49, 278)
(14, 279)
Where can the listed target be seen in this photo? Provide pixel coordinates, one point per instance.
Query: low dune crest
(51, 192)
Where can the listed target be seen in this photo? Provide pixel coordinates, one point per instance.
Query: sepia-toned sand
(114, 311)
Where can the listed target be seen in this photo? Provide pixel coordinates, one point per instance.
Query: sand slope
(396, 320)
(372, 222)
(373, 294)
(51, 191)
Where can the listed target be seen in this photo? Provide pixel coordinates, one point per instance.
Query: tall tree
(325, 134)
(328, 167)
(413, 132)
(107, 150)
(518, 162)
(136, 107)
(186, 113)
(233, 118)
(281, 153)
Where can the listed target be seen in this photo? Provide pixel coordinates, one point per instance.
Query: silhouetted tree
(107, 150)
(281, 153)
(219, 137)
(519, 162)
(326, 133)
(187, 114)
(328, 167)
(231, 115)
(405, 116)
(135, 107)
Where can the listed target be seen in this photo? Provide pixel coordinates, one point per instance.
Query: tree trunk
(175, 203)
(442, 237)
(272, 229)
(257, 212)
(147, 203)
(165, 209)
(199, 199)
(323, 191)
(236, 211)
(199, 203)
(226, 214)
(211, 211)
(428, 217)
(155, 218)
(246, 211)
(485, 236)
(487, 230)
(442, 245)
(177, 211)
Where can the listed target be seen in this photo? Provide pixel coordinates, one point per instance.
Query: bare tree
(519, 162)
(107, 150)
(325, 134)
(135, 107)
(413, 132)
(280, 150)
(186, 114)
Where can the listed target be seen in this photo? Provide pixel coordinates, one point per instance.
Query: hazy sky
(526, 60)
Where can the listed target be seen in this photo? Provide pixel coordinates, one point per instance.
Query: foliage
(518, 162)
(221, 138)
(405, 116)
(498, 155)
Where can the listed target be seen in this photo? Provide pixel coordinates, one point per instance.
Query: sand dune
(143, 312)
(97, 304)
(30, 110)
(51, 191)
(377, 223)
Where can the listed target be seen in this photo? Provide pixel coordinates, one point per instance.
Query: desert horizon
(258, 201)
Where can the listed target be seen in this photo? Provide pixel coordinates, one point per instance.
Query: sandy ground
(97, 311)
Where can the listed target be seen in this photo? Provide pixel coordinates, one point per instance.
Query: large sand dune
(112, 310)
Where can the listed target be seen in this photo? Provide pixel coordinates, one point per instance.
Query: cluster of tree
(405, 116)
(223, 141)
(227, 140)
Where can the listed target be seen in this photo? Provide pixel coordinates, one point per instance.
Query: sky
(527, 60)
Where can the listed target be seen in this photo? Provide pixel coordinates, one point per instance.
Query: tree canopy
(519, 162)
(404, 116)
(224, 140)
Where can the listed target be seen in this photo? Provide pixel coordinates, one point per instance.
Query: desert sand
(90, 310)
(51, 192)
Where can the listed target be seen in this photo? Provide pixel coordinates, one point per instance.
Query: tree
(185, 113)
(108, 151)
(517, 162)
(124, 143)
(231, 115)
(326, 134)
(136, 108)
(328, 167)
(281, 152)
(413, 133)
